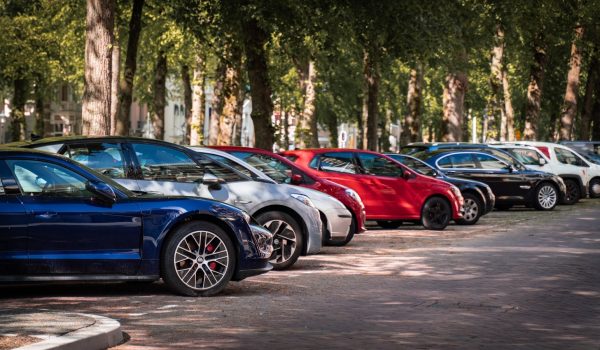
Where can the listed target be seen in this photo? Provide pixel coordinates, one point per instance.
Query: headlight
(352, 194)
(263, 240)
(457, 193)
(304, 199)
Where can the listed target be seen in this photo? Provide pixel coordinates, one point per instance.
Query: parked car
(512, 184)
(415, 147)
(590, 150)
(62, 221)
(579, 174)
(281, 170)
(160, 167)
(478, 197)
(391, 192)
(336, 218)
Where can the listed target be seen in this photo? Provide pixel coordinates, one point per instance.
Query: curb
(104, 333)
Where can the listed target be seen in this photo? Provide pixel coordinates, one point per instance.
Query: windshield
(415, 164)
(525, 155)
(411, 150)
(104, 179)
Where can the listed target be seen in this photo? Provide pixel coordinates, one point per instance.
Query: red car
(282, 170)
(391, 192)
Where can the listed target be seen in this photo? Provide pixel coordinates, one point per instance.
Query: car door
(569, 160)
(342, 168)
(70, 232)
(391, 195)
(107, 158)
(170, 171)
(13, 226)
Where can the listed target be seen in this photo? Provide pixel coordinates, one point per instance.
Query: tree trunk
(496, 82)
(99, 41)
(236, 139)
(159, 100)
(534, 90)
(196, 126)
(285, 126)
(569, 110)
(453, 100)
(332, 126)
(217, 103)
(411, 131)
(17, 114)
(40, 108)
(231, 96)
(126, 90)
(508, 107)
(255, 39)
(372, 78)
(186, 81)
(588, 101)
(308, 130)
(361, 114)
(114, 88)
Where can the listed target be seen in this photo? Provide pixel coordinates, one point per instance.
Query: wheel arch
(576, 178)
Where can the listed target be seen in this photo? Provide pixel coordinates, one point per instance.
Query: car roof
(202, 149)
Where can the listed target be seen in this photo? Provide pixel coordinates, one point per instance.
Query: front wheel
(471, 210)
(595, 188)
(546, 197)
(198, 260)
(573, 193)
(288, 240)
(436, 213)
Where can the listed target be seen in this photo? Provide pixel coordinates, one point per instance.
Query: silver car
(337, 218)
(161, 167)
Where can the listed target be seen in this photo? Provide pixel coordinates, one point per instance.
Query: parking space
(520, 278)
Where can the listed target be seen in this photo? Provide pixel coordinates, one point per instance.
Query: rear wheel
(389, 224)
(341, 243)
(573, 193)
(595, 188)
(198, 260)
(471, 210)
(546, 197)
(436, 213)
(288, 241)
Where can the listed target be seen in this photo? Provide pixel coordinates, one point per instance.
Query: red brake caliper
(212, 265)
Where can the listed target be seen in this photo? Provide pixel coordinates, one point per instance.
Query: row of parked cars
(123, 208)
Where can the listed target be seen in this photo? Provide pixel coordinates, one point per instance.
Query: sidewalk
(41, 329)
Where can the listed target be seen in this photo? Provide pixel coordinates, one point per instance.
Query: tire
(471, 210)
(288, 240)
(573, 192)
(503, 207)
(594, 188)
(198, 260)
(341, 243)
(436, 213)
(546, 197)
(389, 224)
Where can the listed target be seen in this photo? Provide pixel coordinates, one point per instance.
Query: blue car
(62, 221)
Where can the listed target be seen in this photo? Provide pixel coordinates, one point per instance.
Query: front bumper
(339, 222)
(314, 230)
(252, 268)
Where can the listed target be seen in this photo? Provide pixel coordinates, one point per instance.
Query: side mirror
(102, 191)
(297, 179)
(213, 182)
(542, 161)
(407, 175)
(510, 168)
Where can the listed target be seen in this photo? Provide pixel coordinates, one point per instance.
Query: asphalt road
(519, 279)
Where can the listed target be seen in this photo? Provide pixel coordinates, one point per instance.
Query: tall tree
(455, 87)
(411, 129)
(98, 67)
(534, 89)
(160, 96)
(593, 76)
(195, 126)
(231, 97)
(569, 110)
(126, 84)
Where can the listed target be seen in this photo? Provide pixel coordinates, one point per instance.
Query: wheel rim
(572, 191)
(596, 188)
(284, 240)
(547, 197)
(470, 209)
(201, 260)
(436, 213)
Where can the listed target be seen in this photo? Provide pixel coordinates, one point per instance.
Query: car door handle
(242, 202)
(45, 215)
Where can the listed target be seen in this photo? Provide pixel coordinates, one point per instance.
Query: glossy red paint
(398, 197)
(313, 182)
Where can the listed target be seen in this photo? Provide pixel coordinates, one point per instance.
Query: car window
(292, 158)
(457, 161)
(218, 169)
(230, 163)
(272, 167)
(40, 178)
(339, 162)
(526, 156)
(489, 163)
(567, 157)
(1, 188)
(160, 163)
(416, 165)
(105, 158)
(373, 164)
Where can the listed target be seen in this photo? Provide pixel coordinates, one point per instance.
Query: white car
(580, 176)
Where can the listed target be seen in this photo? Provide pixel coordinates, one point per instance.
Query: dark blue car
(62, 221)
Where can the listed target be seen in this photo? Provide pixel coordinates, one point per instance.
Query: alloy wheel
(436, 213)
(284, 240)
(470, 209)
(572, 192)
(201, 260)
(547, 197)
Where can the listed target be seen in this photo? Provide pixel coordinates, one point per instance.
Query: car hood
(320, 199)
